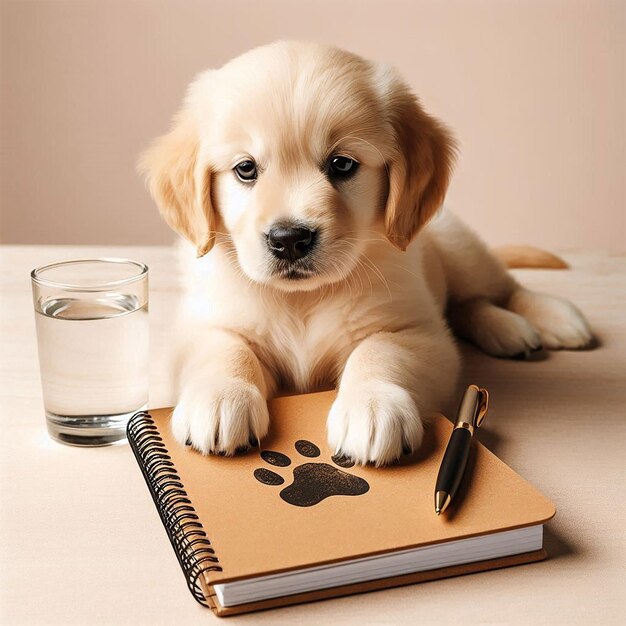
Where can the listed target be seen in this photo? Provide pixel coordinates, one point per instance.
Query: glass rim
(38, 279)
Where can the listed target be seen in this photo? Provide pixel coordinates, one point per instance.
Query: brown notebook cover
(227, 521)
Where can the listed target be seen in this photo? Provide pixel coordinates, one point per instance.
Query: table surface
(81, 542)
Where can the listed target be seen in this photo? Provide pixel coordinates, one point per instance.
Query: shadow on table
(556, 546)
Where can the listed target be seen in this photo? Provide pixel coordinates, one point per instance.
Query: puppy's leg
(488, 307)
(389, 383)
(222, 404)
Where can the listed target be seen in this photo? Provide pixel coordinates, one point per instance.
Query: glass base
(89, 430)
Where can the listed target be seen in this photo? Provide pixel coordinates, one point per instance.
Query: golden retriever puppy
(308, 182)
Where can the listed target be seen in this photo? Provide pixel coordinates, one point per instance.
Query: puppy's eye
(341, 167)
(246, 171)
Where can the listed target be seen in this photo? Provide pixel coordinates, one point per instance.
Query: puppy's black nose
(290, 242)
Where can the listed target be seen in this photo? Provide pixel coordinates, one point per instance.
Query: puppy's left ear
(419, 164)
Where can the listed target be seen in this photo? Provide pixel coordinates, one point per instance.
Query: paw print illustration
(312, 482)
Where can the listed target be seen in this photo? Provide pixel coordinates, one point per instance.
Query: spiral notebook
(290, 522)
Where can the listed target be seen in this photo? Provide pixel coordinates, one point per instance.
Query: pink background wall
(534, 90)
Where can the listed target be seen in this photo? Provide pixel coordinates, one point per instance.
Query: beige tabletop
(81, 542)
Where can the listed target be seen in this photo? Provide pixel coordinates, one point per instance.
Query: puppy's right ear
(179, 187)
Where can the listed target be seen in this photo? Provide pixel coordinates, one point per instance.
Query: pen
(470, 415)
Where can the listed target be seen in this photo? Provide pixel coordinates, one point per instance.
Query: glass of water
(92, 332)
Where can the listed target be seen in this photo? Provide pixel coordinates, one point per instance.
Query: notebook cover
(226, 525)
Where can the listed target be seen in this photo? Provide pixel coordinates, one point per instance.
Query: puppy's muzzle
(290, 243)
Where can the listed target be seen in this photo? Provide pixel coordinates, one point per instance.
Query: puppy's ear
(180, 189)
(419, 165)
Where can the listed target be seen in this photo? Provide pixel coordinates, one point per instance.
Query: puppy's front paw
(374, 422)
(220, 418)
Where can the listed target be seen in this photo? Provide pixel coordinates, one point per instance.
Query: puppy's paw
(494, 330)
(504, 334)
(507, 335)
(220, 418)
(374, 422)
(560, 324)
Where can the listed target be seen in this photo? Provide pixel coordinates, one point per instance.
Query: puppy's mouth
(293, 271)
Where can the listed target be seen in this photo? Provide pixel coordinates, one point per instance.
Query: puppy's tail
(517, 257)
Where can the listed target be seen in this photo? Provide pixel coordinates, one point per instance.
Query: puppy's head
(295, 155)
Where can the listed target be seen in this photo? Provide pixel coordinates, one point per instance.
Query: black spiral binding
(188, 538)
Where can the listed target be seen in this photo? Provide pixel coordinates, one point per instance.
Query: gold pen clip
(473, 408)
(481, 413)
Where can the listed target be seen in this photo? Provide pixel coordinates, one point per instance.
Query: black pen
(470, 415)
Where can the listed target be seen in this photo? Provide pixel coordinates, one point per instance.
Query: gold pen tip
(442, 499)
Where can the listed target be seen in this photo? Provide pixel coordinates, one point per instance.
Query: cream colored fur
(371, 317)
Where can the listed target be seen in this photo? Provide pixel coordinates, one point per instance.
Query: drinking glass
(92, 334)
